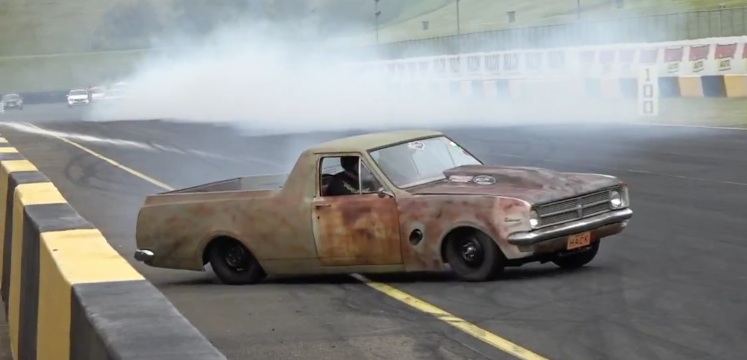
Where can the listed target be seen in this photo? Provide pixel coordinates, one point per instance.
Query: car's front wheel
(578, 260)
(474, 256)
(234, 264)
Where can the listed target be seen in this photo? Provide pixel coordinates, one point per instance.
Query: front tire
(578, 260)
(234, 264)
(474, 256)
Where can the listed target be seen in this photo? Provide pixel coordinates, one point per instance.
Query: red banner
(648, 56)
(724, 54)
(533, 60)
(492, 63)
(698, 56)
(606, 56)
(511, 61)
(439, 65)
(673, 58)
(454, 64)
(587, 57)
(556, 59)
(626, 56)
(473, 64)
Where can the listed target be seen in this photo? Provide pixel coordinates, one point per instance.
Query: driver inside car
(346, 181)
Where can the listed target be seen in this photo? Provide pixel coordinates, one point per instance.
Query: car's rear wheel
(234, 264)
(576, 261)
(474, 256)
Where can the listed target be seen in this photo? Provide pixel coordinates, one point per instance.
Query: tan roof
(360, 143)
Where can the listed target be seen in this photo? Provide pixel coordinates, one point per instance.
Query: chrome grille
(576, 208)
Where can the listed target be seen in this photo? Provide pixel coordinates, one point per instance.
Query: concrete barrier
(67, 293)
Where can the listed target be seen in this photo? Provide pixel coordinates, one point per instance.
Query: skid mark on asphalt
(145, 146)
(415, 303)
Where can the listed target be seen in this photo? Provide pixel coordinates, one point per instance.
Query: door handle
(320, 205)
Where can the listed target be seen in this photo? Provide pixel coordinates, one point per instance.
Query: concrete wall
(67, 293)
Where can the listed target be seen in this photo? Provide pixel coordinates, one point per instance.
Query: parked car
(383, 202)
(77, 97)
(12, 101)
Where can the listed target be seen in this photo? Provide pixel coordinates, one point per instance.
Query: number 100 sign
(648, 91)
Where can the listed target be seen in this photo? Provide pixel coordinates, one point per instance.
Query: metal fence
(652, 28)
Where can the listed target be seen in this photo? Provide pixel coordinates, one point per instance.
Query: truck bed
(246, 183)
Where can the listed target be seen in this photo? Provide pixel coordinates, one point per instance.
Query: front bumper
(535, 237)
(144, 256)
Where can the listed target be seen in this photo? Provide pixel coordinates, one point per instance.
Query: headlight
(533, 219)
(615, 199)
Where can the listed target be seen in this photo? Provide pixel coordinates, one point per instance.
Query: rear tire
(474, 256)
(234, 264)
(578, 260)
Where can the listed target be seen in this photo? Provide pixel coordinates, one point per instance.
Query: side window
(328, 168)
(346, 175)
(368, 180)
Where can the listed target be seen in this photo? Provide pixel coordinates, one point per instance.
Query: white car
(12, 101)
(77, 97)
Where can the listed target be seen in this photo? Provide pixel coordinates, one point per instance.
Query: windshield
(11, 97)
(422, 161)
(78, 92)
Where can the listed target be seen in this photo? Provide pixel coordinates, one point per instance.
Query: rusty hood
(534, 185)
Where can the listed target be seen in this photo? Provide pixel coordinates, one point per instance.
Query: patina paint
(291, 229)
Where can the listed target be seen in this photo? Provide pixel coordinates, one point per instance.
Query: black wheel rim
(471, 252)
(236, 257)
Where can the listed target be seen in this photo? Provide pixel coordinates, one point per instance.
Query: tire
(234, 264)
(487, 263)
(578, 260)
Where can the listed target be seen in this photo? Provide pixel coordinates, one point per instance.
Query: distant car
(97, 93)
(77, 97)
(12, 101)
(421, 201)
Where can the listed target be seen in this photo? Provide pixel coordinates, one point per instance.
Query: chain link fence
(652, 28)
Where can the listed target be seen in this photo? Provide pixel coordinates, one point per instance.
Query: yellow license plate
(579, 240)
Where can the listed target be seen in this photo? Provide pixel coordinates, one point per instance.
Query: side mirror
(383, 193)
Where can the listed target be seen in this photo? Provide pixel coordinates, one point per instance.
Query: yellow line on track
(420, 305)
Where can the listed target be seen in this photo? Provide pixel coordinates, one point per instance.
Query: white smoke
(260, 78)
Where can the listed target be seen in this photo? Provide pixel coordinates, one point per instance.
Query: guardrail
(67, 293)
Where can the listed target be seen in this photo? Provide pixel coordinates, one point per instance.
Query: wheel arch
(219, 238)
(464, 229)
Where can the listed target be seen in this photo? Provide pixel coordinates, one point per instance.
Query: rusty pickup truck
(399, 201)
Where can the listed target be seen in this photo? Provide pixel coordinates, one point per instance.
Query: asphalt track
(670, 287)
